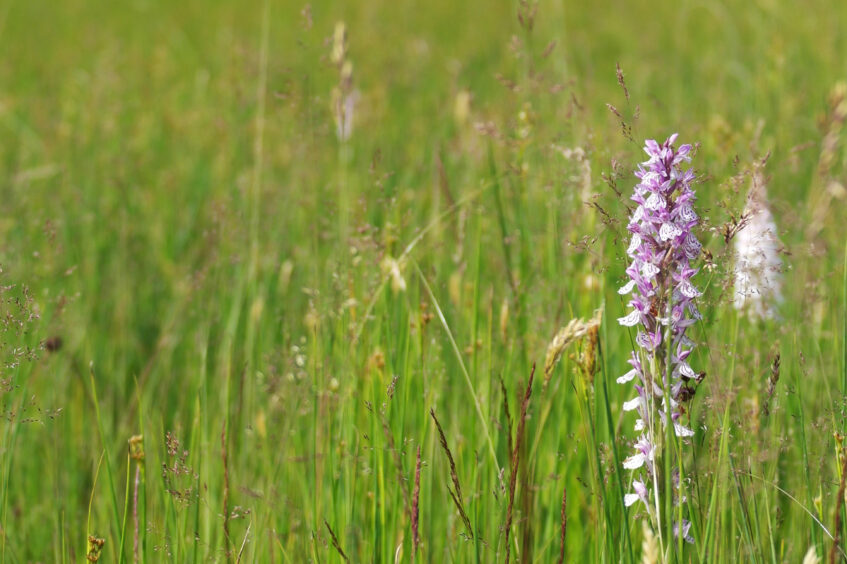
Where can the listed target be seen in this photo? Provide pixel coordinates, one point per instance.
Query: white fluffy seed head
(758, 266)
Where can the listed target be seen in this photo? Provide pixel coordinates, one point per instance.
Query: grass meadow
(274, 293)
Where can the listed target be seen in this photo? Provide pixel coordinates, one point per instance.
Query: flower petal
(686, 371)
(651, 147)
(627, 377)
(632, 404)
(631, 319)
(635, 461)
(691, 247)
(688, 290)
(627, 288)
(686, 213)
(686, 528)
(655, 202)
(648, 341)
(682, 431)
(649, 270)
(669, 231)
(634, 244)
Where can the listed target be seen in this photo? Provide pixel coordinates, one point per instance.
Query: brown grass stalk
(456, 492)
(136, 453)
(516, 458)
(772, 381)
(398, 466)
(225, 458)
(564, 525)
(508, 416)
(135, 543)
(335, 543)
(416, 493)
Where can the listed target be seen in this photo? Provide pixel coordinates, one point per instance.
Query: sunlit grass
(193, 255)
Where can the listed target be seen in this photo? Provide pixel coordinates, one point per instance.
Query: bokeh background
(270, 253)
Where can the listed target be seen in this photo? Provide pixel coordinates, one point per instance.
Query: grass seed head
(136, 447)
(392, 268)
(575, 330)
(649, 545)
(758, 268)
(339, 44)
(95, 548)
(811, 556)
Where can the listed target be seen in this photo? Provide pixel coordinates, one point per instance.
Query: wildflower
(662, 302)
(758, 268)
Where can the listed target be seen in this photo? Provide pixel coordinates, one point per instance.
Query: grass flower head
(758, 267)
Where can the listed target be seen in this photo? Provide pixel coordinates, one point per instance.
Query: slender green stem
(464, 370)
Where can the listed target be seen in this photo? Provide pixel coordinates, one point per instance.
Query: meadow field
(338, 281)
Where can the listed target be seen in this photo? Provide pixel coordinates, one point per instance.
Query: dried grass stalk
(456, 492)
(516, 458)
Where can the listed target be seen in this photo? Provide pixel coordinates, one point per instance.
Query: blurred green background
(191, 252)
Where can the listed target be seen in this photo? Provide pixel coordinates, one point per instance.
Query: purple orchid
(661, 248)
